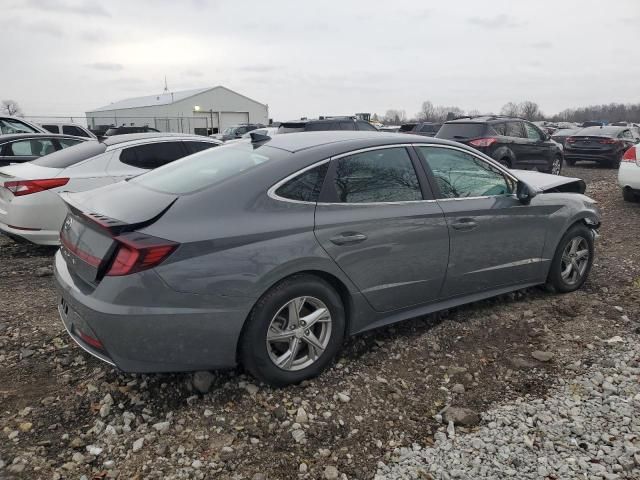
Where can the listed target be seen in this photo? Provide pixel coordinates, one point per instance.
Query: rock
(324, 452)
(301, 416)
(44, 272)
(542, 356)
(331, 473)
(520, 362)
(227, 453)
(77, 457)
(344, 398)
(458, 388)
(196, 464)
(77, 442)
(93, 450)
(252, 389)
(259, 476)
(26, 352)
(25, 426)
(280, 413)
(202, 381)
(298, 435)
(16, 468)
(162, 427)
(454, 370)
(461, 416)
(137, 445)
(302, 468)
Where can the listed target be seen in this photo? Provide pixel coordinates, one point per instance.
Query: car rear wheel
(628, 195)
(615, 162)
(505, 162)
(572, 261)
(556, 166)
(294, 331)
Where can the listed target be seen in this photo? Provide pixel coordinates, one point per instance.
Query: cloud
(82, 7)
(94, 36)
(38, 27)
(498, 21)
(106, 66)
(192, 73)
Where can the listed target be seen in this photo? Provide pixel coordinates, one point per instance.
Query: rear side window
(70, 156)
(306, 186)
(499, 128)
(152, 155)
(195, 147)
(347, 126)
(73, 130)
(461, 131)
(385, 175)
(51, 128)
(322, 126)
(514, 129)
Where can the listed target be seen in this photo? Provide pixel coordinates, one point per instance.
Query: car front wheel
(294, 331)
(556, 166)
(572, 261)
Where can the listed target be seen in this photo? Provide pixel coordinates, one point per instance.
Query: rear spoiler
(112, 225)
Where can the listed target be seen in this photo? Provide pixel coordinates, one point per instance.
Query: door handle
(347, 238)
(465, 224)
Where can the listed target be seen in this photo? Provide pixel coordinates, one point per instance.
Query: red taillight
(137, 252)
(483, 142)
(570, 140)
(608, 141)
(27, 187)
(629, 155)
(89, 340)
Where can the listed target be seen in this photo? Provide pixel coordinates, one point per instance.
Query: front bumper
(144, 326)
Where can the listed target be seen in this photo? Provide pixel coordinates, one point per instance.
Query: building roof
(165, 98)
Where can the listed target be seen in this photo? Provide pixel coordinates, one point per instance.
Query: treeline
(613, 112)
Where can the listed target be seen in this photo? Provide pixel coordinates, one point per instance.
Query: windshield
(207, 168)
(8, 125)
(70, 156)
(229, 131)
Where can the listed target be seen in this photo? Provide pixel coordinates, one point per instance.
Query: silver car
(269, 253)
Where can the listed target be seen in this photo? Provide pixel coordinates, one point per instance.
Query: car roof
(350, 139)
(35, 136)
(129, 137)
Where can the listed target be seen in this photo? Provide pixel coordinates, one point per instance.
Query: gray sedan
(269, 253)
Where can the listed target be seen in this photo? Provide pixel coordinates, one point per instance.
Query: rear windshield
(207, 168)
(456, 131)
(600, 131)
(407, 127)
(70, 156)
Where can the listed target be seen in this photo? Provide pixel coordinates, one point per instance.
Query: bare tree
(530, 111)
(427, 112)
(11, 107)
(395, 116)
(510, 109)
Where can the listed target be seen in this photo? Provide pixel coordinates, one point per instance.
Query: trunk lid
(99, 219)
(590, 144)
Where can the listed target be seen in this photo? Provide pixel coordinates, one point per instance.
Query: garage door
(228, 119)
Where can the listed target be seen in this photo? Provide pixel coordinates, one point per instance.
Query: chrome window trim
(271, 192)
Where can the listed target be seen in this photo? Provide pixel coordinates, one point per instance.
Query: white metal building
(190, 111)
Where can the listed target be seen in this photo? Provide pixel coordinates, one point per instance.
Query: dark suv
(324, 124)
(426, 129)
(513, 142)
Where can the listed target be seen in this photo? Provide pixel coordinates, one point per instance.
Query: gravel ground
(64, 414)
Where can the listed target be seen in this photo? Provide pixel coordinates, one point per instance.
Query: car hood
(547, 183)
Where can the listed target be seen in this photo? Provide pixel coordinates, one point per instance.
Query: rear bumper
(40, 237)
(144, 326)
(595, 157)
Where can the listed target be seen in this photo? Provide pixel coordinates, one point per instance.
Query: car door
(538, 153)
(378, 221)
(518, 143)
(495, 240)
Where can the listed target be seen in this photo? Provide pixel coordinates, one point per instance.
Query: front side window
(461, 175)
(532, 132)
(31, 148)
(385, 175)
(10, 126)
(152, 155)
(514, 129)
(306, 186)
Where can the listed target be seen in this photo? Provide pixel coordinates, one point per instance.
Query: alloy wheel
(299, 333)
(575, 259)
(557, 166)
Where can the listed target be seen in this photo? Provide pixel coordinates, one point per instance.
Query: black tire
(571, 162)
(615, 162)
(505, 162)
(254, 353)
(555, 280)
(628, 195)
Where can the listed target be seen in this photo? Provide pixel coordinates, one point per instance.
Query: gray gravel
(588, 428)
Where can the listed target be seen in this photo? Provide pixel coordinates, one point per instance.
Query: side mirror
(524, 193)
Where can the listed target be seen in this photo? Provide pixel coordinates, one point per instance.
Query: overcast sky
(63, 57)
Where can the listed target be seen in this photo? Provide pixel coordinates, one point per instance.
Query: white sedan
(629, 174)
(30, 208)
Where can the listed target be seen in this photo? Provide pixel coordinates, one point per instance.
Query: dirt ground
(64, 414)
